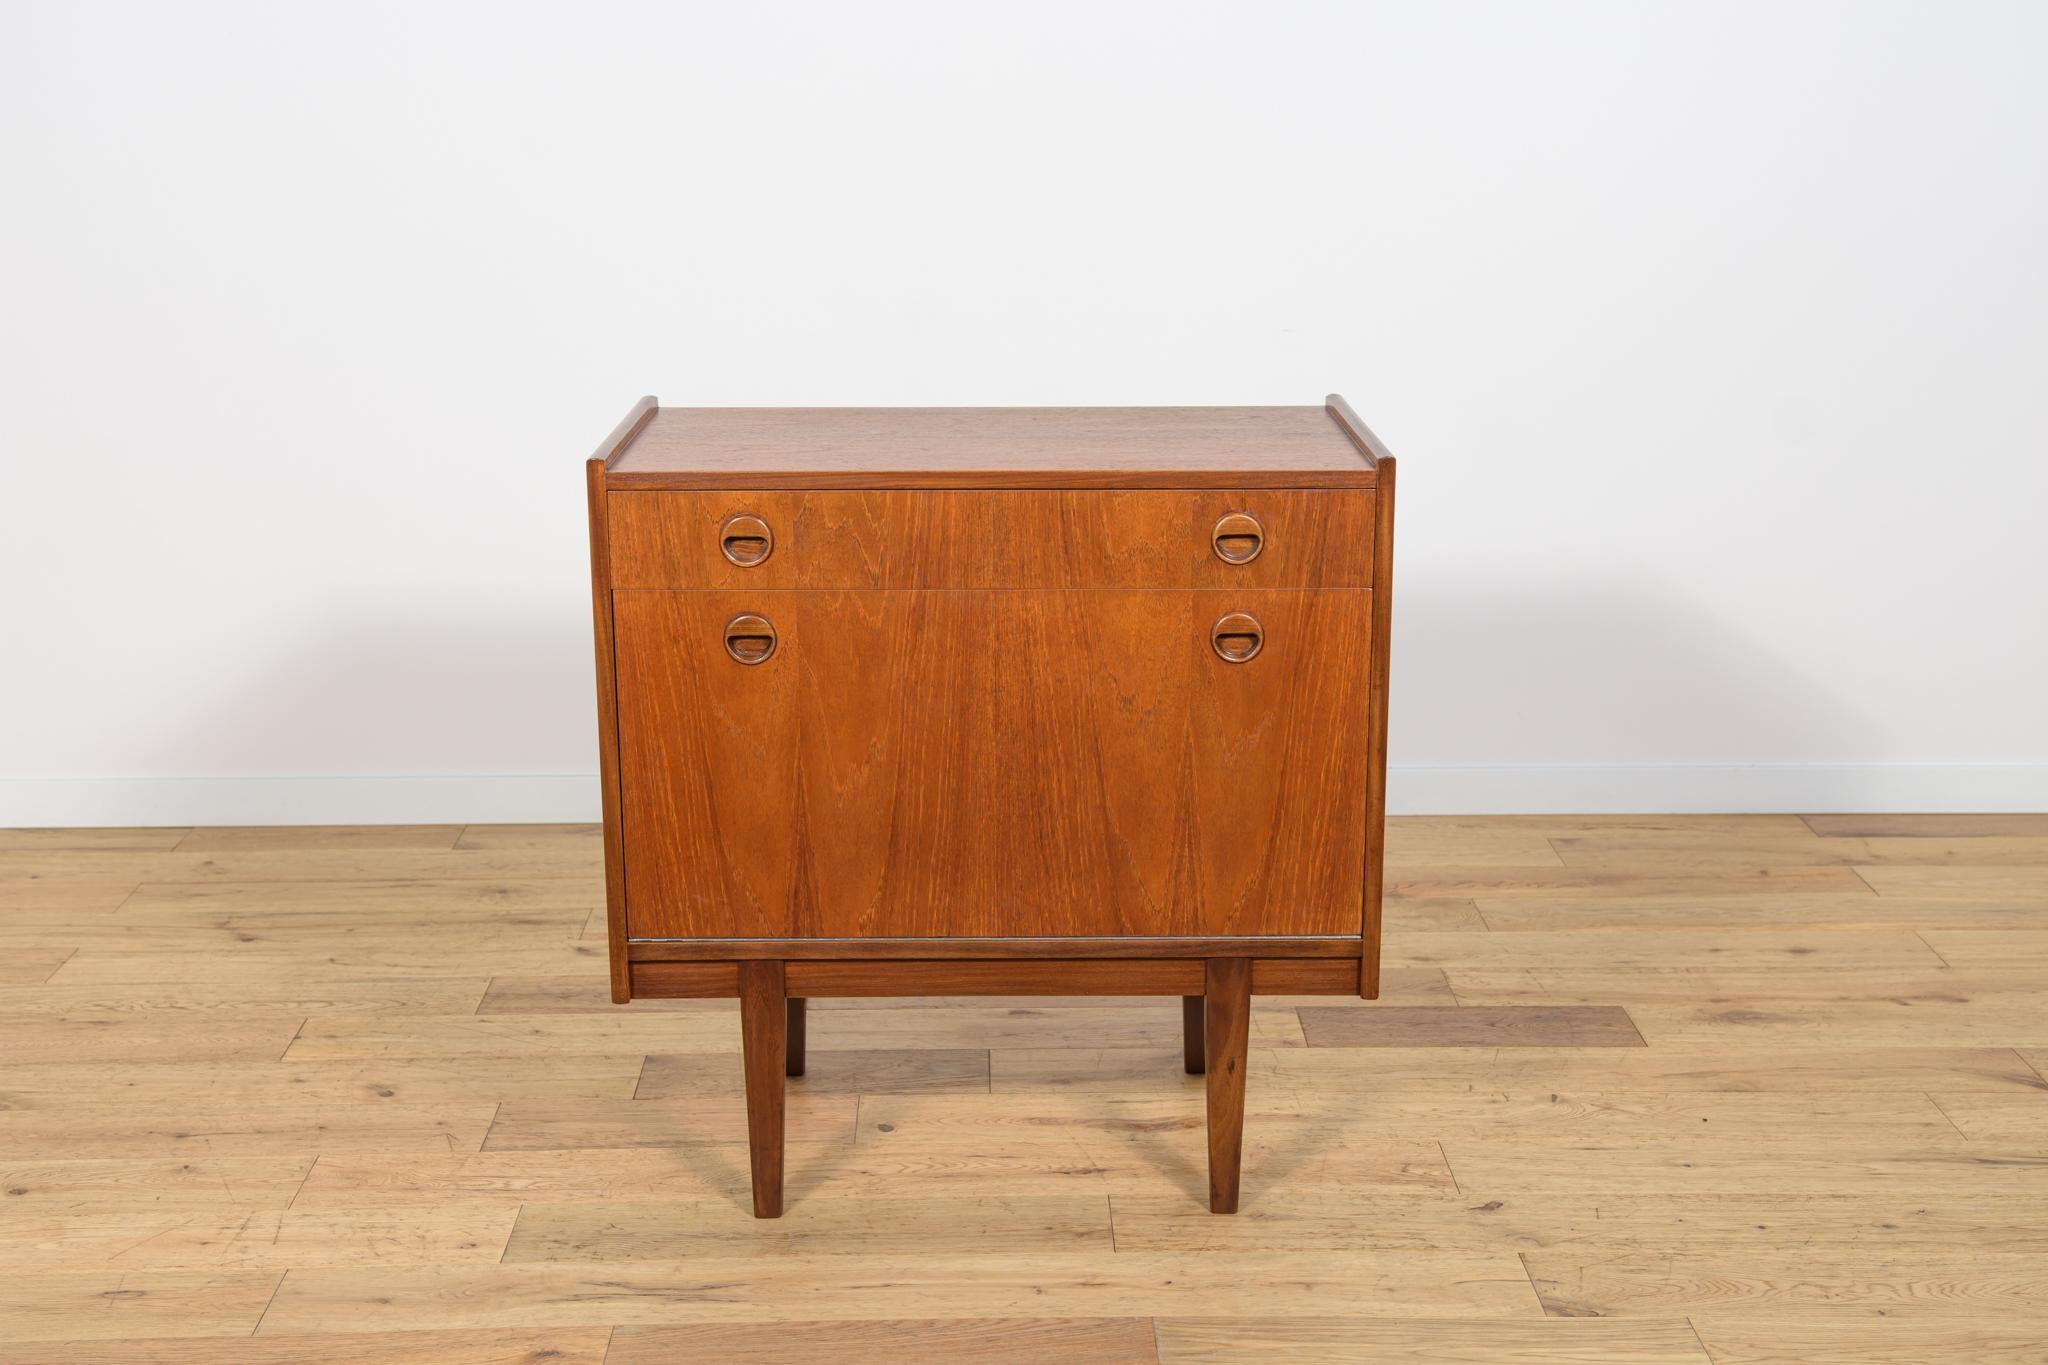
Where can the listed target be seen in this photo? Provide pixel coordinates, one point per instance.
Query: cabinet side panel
(608, 733)
(1376, 728)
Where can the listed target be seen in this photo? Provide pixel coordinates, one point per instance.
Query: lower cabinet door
(944, 763)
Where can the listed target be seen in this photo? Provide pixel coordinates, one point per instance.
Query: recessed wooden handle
(750, 639)
(1238, 538)
(1237, 637)
(745, 539)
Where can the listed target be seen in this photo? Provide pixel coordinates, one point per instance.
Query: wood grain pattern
(828, 1070)
(1472, 1026)
(2021, 825)
(1354, 1341)
(1790, 1166)
(1226, 1029)
(642, 1231)
(685, 980)
(1052, 539)
(928, 1341)
(1021, 977)
(1297, 447)
(518, 1346)
(764, 1037)
(869, 782)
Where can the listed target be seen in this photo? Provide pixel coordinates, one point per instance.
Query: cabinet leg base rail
(1216, 1033)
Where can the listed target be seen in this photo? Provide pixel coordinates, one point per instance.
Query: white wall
(1710, 334)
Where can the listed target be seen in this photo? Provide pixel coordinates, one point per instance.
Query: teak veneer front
(992, 701)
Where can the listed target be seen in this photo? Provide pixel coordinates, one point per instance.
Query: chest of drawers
(1013, 701)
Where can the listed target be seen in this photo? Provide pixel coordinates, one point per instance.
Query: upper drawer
(1148, 538)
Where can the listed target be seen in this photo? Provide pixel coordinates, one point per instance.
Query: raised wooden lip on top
(992, 448)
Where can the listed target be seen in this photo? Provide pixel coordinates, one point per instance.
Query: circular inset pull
(745, 539)
(750, 639)
(1238, 538)
(1237, 637)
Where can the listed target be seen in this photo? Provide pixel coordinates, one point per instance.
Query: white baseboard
(1451, 789)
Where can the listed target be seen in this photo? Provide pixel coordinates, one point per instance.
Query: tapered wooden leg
(764, 1038)
(1191, 1032)
(1227, 1027)
(795, 1066)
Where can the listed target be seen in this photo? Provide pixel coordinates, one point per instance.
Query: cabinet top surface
(991, 447)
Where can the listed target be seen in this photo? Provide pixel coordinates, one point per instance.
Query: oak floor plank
(1063, 1159)
(113, 1128)
(250, 1240)
(1471, 1026)
(1431, 915)
(1844, 1121)
(930, 1341)
(1431, 843)
(118, 1303)
(1598, 1170)
(417, 1082)
(73, 1186)
(254, 1037)
(1809, 911)
(586, 993)
(31, 966)
(826, 1072)
(576, 844)
(756, 1289)
(1800, 1070)
(2015, 1122)
(399, 952)
(1568, 826)
(547, 1125)
(1981, 1020)
(336, 1036)
(1923, 826)
(1991, 950)
(407, 898)
(272, 864)
(57, 899)
(1909, 1282)
(1747, 1337)
(1931, 984)
(291, 995)
(1471, 1341)
(1673, 1225)
(1708, 851)
(145, 839)
(963, 1225)
(1640, 882)
(1979, 883)
(534, 1346)
(303, 838)
(1680, 949)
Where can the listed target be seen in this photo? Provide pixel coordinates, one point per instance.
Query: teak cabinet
(952, 701)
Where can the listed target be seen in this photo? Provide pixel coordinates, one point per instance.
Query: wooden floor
(1641, 1089)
